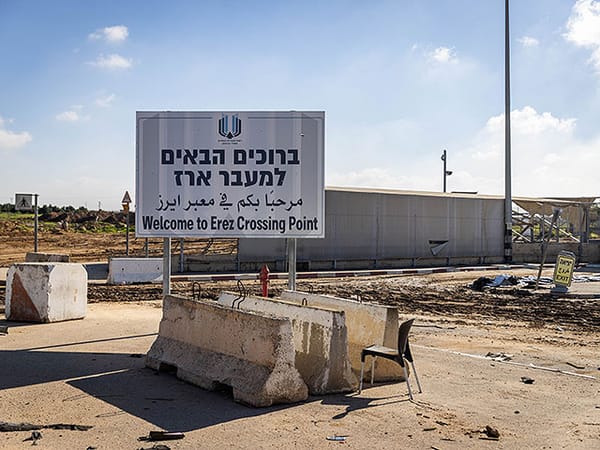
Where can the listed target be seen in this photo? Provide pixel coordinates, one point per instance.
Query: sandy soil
(17, 238)
(86, 372)
(89, 373)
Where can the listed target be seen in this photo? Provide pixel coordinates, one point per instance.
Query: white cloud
(546, 157)
(528, 41)
(443, 55)
(10, 140)
(528, 121)
(73, 114)
(112, 62)
(68, 116)
(112, 35)
(106, 101)
(583, 28)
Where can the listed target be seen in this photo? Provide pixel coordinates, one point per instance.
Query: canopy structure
(532, 221)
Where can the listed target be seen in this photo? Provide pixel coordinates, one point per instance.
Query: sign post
(230, 174)
(125, 203)
(291, 248)
(166, 266)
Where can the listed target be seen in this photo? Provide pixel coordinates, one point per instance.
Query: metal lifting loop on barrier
(242, 294)
(304, 302)
(196, 291)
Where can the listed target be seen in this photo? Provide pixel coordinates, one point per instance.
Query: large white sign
(230, 174)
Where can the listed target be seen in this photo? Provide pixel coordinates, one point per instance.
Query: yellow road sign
(563, 270)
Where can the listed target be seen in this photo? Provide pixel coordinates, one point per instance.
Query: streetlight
(446, 173)
(507, 142)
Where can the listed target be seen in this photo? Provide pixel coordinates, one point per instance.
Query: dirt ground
(17, 238)
(88, 372)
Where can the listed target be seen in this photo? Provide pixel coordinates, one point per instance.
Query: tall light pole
(445, 172)
(507, 149)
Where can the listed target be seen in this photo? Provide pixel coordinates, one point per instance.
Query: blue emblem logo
(230, 126)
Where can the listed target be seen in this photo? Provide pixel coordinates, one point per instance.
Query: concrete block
(135, 270)
(46, 257)
(320, 340)
(46, 292)
(212, 345)
(367, 324)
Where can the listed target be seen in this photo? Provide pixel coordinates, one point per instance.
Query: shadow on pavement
(166, 401)
(354, 402)
(96, 271)
(122, 381)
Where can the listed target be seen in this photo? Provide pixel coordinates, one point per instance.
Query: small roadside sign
(24, 202)
(563, 270)
(126, 201)
(126, 198)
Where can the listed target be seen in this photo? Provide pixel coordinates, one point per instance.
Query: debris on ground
(156, 447)
(162, 436)
(491, 432)
(501, 357)
(35, 436)
(337, 438)
(24, 426)
(483, 283)
(500, 280)
(527, 380)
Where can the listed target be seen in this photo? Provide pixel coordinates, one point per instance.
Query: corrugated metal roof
(558, 202)
(403, 192)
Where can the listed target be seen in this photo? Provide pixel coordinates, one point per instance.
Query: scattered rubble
(24, 426)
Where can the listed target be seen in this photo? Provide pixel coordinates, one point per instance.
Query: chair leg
(410, 395)
(362, 370)
(416, 376)
(373, 370)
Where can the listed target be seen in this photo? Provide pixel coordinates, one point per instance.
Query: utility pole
(507, 149)
(35, 223)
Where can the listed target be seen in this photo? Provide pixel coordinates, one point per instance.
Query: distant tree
(45, 209)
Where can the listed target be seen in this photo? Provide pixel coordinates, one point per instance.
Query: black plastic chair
(399, 355)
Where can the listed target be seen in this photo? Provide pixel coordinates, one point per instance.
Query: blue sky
(399, 81)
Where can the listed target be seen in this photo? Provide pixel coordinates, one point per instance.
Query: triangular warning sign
(126, 198)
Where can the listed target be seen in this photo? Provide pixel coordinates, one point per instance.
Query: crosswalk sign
(24, 202)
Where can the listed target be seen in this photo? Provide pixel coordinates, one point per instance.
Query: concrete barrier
(135, 270)
(211, 345)
(367, 324)
(46, 257)
(320, 340)
(46, 292)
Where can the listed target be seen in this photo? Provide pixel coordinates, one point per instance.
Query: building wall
(392, 226)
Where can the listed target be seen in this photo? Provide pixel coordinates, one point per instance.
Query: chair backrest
(403, 348)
